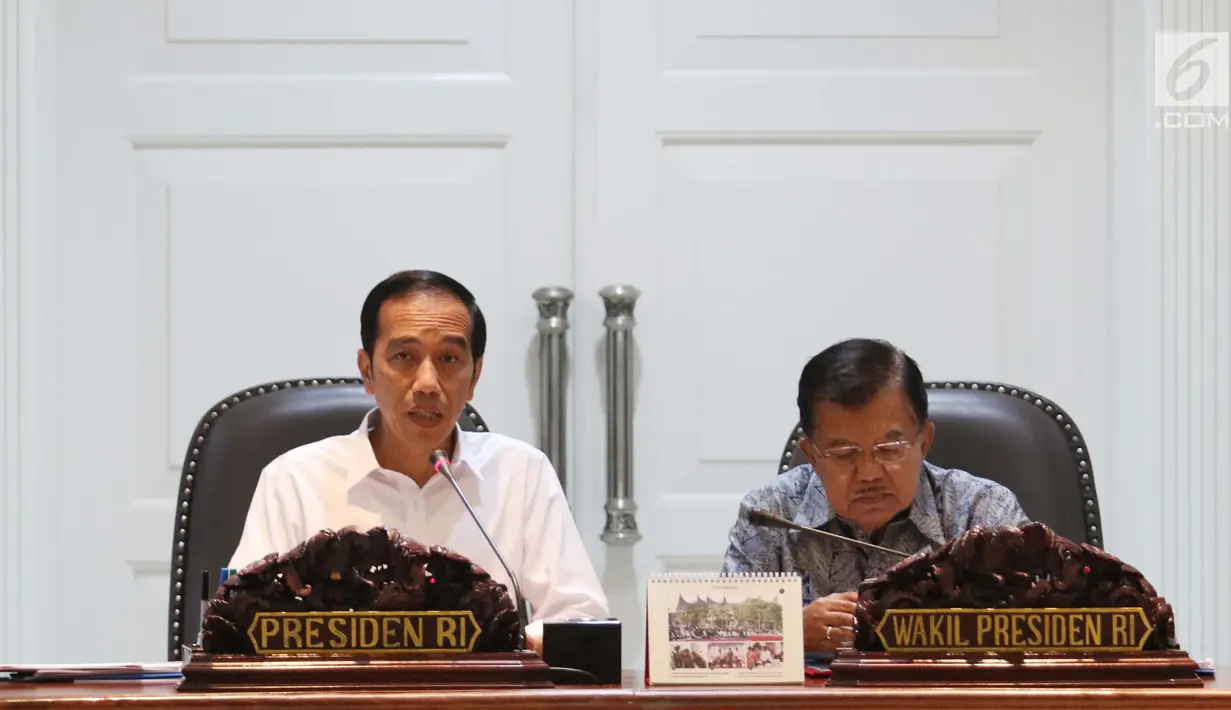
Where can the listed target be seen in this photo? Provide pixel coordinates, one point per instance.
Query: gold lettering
(312, 632)
(935, 636)
(1075, 636)
(901, 629)
(387, 630)
(337, 627)
(983, 626)
(291, 628)
(446, 628)
(412, 631)
(1050, 629)
(355, 631)
(369, 632)
(1119, 630)
(1094, 630)
(1032, 623)
(955, 631)
(1001, 634)
(269, 629)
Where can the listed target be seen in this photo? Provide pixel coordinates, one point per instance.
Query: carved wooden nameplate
(1018, 606)
(368, 650)
(1070, 647)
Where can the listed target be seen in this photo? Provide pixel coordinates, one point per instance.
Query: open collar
(365, 463)
(816, 512)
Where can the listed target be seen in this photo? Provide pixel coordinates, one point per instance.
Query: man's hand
(829, 622)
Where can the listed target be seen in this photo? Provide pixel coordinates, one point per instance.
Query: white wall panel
(833, 240)
(1171, 325)
(235, 177)
(369, 41)
(323, 21)
(333, 219)
(777, 178)
(813, 36)
(11, 597)
(1194, 233)
(26, 177)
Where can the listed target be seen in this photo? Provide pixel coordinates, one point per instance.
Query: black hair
(405, 283)
(852, 372)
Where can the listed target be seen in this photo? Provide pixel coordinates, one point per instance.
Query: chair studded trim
(1077, 444)
(180, 589)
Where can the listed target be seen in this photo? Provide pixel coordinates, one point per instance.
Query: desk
(633, 693)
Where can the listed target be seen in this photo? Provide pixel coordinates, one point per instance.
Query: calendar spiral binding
(719, 576)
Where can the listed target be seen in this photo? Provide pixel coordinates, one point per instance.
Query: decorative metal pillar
(553, 302)
(621, 527)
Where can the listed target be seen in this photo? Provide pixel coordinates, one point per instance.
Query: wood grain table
(633, 693)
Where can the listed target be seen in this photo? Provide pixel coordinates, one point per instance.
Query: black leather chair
(232, 443)
(1017, 438)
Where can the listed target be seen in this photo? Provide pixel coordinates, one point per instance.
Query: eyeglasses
(889, 454)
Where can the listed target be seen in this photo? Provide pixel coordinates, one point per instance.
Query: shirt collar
(365, 463)
(816, 512)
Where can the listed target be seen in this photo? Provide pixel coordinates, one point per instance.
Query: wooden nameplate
(205, 672)
(1029, 647)
(1170, 669)
(367, 650)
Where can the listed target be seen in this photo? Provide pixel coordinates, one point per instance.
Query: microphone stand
(762, 519)
(440, 461)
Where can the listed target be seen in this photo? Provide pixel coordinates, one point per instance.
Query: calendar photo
(737, 629)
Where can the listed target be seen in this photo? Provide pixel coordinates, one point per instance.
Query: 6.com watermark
(1191, 77)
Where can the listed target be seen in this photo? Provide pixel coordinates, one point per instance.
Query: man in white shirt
(423, 340)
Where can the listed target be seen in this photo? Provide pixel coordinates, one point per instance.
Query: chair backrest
(232, 443)
(1017, 438)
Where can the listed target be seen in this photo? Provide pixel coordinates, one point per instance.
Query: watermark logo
(1191, 73)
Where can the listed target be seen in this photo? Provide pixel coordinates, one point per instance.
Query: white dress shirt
(336, 482)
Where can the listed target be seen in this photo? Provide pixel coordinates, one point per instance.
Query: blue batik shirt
(948, 503)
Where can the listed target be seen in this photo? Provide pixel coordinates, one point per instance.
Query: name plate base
(1148, 669)
(205, 672)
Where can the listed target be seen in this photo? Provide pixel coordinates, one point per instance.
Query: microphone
(440, 461)
(762, 519)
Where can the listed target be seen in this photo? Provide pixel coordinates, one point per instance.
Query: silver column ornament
(621, 527)
(553, 302)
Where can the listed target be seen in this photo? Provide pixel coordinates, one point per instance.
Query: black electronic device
(583, 651)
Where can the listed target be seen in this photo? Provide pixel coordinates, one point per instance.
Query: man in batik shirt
(864, 411)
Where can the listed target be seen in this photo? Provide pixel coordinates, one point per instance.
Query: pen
(91, 677)
(137, 676)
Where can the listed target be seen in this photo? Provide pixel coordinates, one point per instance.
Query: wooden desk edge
(163, 693)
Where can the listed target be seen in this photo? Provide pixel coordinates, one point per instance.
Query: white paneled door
(776, 176)
(224, 180)
(233, 177)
